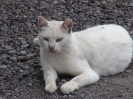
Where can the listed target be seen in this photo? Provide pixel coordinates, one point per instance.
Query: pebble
(23, 52)
(97, 3)
(131, 32)
(30, 55)
(12, 51)
(8, 47)
(65, 96)
(98, 12)
(24, 67)
(14, 59)
(85, 1)
(25, 45)
(131, 4)
(24, 72)
(21, 70)
(62, 1)
(21, 58)
(30, 84)
(3, 66)
(104, 2)
(23, 42)
(55, 2)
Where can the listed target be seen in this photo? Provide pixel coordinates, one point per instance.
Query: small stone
(128, 71)
(62, 1)
(21, 58)
(12, 52)
(21, 70)
(23, 42)
(125, 4)
(30, 84)
(14, 59)
(25, 67)
(41, 69)
(8, 47)
(55, 2)
(8, 94)
(84, 1)
(3, 66)
(33, 21)
(23, 52)
(16, 89)
(98, 12)
(132, 24)
(24, 45)
(104, 2)
(65, 96)
(30, 55)
(131, 32)
(97, 3)
(131, 4)
(24, 73)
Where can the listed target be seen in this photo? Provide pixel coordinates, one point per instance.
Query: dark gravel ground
(20, 74)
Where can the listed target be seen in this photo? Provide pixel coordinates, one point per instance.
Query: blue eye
(59, 39)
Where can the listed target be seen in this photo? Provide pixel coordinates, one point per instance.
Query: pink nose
(51, 48)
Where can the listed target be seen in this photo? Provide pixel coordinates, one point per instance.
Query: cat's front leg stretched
(50, 77)
(79, 81)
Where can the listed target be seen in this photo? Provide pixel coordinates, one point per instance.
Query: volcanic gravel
(20, 73)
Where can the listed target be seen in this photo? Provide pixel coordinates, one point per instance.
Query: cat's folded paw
(69, 87)
(50, 88)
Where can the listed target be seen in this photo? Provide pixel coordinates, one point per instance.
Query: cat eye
(59, 39)
(46, 39)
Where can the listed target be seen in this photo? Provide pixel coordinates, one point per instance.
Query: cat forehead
(53, 29)
(55, 24)
(51, 32)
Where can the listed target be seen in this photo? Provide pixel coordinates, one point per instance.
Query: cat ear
(42, 22)
(67, 25)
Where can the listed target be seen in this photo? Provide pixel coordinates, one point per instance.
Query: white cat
(87, 55)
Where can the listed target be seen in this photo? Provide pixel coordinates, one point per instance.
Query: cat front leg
(50, 77)
(81, 80)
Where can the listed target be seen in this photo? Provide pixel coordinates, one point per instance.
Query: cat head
(54, 36)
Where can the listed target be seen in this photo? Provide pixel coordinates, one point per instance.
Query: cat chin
(53, 52)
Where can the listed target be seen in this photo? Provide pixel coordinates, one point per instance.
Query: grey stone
(21, 58)
(30, 55)
(30, 84)
(25, 45)
(55, 2)
(131, 4)
(8, 47)
(3, 66)
(23, 52)
(104, 2)
(12, 51)
(14, 59)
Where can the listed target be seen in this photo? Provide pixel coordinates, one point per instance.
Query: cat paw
(69, 87)
(50, 88)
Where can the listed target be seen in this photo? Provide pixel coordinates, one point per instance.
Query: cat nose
(51, 48)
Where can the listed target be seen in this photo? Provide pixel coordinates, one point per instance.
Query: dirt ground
(20, 74)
